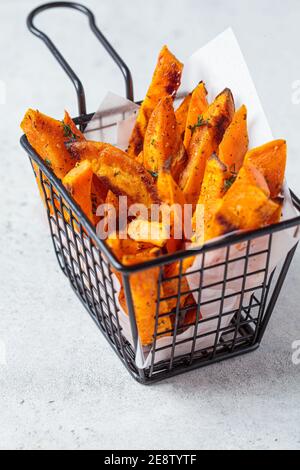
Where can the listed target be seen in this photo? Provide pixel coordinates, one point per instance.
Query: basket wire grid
(91, 269)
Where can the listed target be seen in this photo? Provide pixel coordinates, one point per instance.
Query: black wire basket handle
(64, 64)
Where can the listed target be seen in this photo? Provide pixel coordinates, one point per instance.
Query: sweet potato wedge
(276, 216)
(234, 145)
(244, 207)
(90, 150)
(127, 246)
(144, 294)
(249, 174)
(270, 159)
(153, 232)
(165, 81)
(163, 147)
(204, 142)
(70, 130)
(213, 185)
(50, 138)
(170, 194)
(171, 288)
(99, 195)
(140, 158)
(113, 200)
(79, 184)
(181, 114)
(198, 106)
(118, 172)
(212, 189)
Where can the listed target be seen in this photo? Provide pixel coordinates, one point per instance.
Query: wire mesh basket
(235, 280)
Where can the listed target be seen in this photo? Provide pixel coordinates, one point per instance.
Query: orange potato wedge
(234, 145)
(163, 147)
(153, 232)
(244, 207)
(49, 138)
(212, 189)
(276, 216)
(204, 142)
(99, 195)
(127, 246)
(165, 81)
(140, 158)
(78, 182)
(249, 174)
(144, 295)
(171, 287)
(118, 172)
(198, 106)
(170, 194)
(90, 150)
(181, 114)
(112, 199)
(270, 159)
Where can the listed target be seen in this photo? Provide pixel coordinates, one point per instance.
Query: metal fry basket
(236, 282)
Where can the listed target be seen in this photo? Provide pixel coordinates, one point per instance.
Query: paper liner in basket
(219, 64)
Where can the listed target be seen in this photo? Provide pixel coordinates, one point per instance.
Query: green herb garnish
(229, 181)
(48, 162)
(200, 122)
(68, 132)
(154, 174)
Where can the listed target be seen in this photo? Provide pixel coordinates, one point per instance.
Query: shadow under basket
(235, 284)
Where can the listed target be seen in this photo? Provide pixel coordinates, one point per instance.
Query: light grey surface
(62, 387)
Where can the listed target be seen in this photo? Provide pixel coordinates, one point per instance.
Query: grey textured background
(61, 386)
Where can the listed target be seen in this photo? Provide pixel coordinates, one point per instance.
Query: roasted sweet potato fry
(213, 186)
(198, 106)
(99, 195)
(163, 147)
(90, 150)
(270, 159)
(171, 287)
(70, 130)
(50, 139)
(118, 172)
(244, 207)
(153, 232)
(140, 158)
(127, 246)
(249, 174)
(144, 294)
(170, 194)
(165, 81)
(276, 216)
(212, 189)
(181, 114)
(204, 142)
(234, 145)
(112, 199)
(79, 184)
